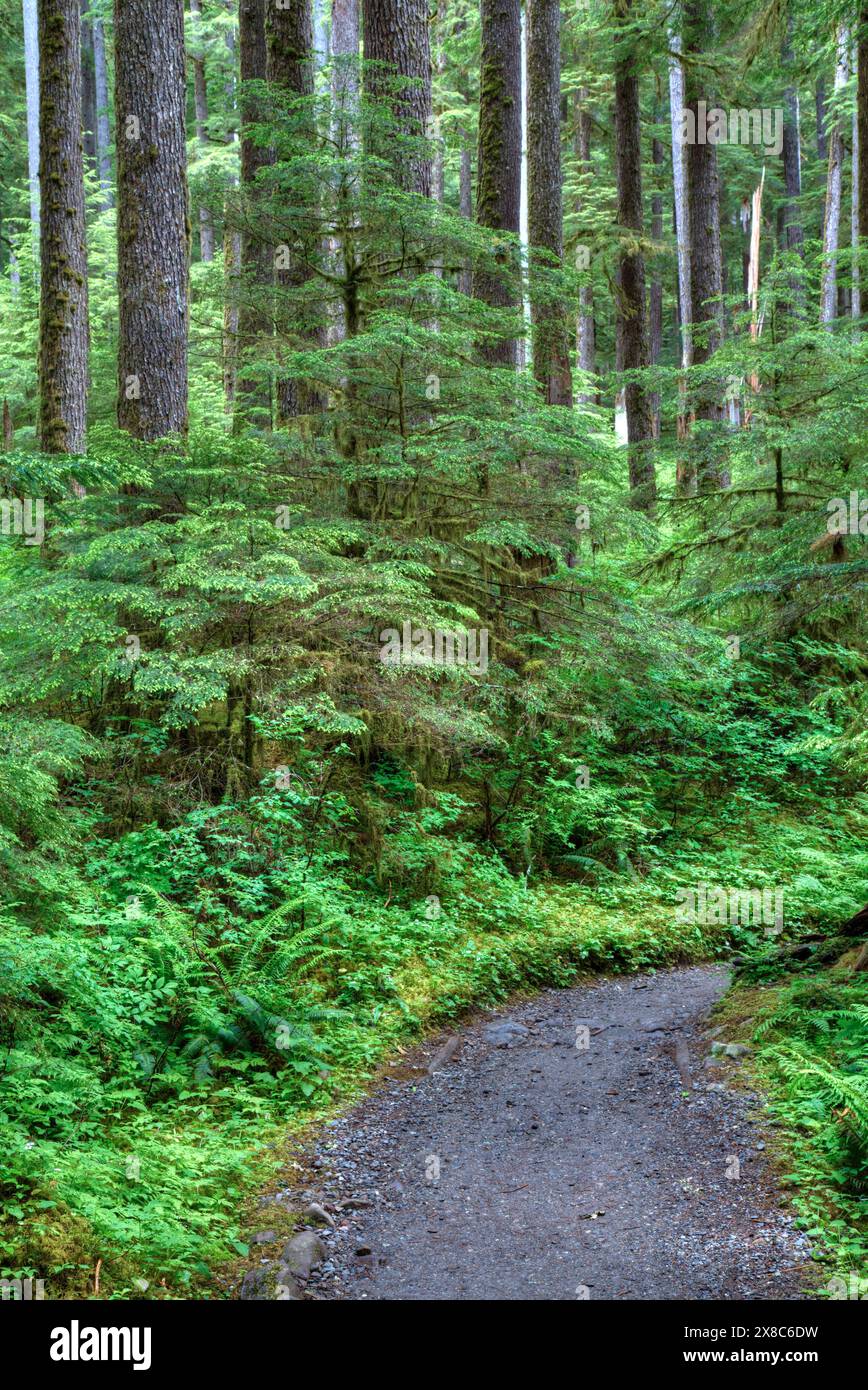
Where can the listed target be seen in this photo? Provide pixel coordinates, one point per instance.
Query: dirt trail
(530, 1168)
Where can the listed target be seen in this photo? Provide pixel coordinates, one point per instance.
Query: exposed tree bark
(679, 188)
(290, 69)
(396, 36)
(345, 44)
(791, 157)
(523, 344)
(31, 79)
(63, 325)
(855, 271)
(631, 323)
(231, 277)
(655, 295)
(498, 179)
(685, 473)
(103, 133)
(320, 35)
(345, 39)
(832, 221)
(253, 393)
(153, 227)
(465, 207)
(585, 327)
(820, 112)
(706, 262)
(465, 178)
(439, 171)
(200, 101)
(88, 89)
(289, 46)
(862, 130)
(231, 242)
(551, 349)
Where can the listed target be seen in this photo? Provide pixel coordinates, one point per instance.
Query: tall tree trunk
(655, 295)
(396, 35)
(855, 272)
(679, 188)
(290, 68)
(832, 221)
(320, 35)
(345, 100)
(63, 326)
(498, 178)
(551, 348)
(153, 226)
(31, 79)
(253, 392)
(523, 345)
(862, 134)
(200, 103)
(345, 44)
(231, 298)
(706, 261)
(585, 327)
(791, 155)
(103, 133)
(631, 324)
(465, 207)
(231, 237)
(88, 89)
(439, 170)
(820, 112)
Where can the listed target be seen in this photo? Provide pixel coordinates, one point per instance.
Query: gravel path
(527, 1167)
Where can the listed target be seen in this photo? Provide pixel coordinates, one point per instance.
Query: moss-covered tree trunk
(254, 284)
(706, 262)
(153, 222)
(585, 345)
(551, 346)
(396, 35)
(290, 69)
(631, 318)
(63, 325)
(655, 293)
(498, 178)
(862, 129)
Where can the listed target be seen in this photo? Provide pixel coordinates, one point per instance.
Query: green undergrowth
(155, 1056)
(810, 1060)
